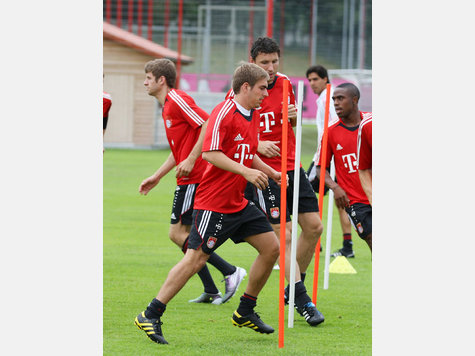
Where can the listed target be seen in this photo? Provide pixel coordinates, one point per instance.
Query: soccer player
(220, 210)
(342, 145)
(185, 125)
(318, 78)
(365, 160)
(265, 52)
(106, 105)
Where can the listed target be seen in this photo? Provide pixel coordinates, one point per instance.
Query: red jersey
(236, 135)
(365, 142)
(106, 104)
(342, 144)
(183, 120)
(271, 122)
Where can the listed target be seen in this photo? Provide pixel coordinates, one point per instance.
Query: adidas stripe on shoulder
(185, 107)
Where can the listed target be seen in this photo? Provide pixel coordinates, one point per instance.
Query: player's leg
(361, 217)
(268, 200)
(180, 226)
(369, 241)
(191, 263)
(150, 319)
(309, 221)
(178, 233)
(268, 252)
(312, 229)
(288, 245)
(233, 275)
(347, 249)
(253, 227)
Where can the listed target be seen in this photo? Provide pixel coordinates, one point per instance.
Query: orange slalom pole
(283, 209)
(323, 152)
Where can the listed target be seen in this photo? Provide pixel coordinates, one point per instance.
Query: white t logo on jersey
(267, 120)
(242, 153)
(350, 162)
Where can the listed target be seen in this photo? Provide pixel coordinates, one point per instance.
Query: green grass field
(138, 255)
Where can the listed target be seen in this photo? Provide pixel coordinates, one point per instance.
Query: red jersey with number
(183, 120)
(365, 143)
(342, 145)
(106, 104)
(236, 135)
(271, 122)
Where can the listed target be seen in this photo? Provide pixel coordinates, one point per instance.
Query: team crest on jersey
(211, 242)
(360, 228)
(274, 212)
(169, 123)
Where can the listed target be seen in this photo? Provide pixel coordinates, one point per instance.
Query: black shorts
(361, 217)
(182, 209)
(211, 229)
(269, 199)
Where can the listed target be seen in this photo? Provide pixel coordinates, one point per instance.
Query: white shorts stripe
(186, 108)
(260, 197)
(204, 222)
(222, 113)
(190, 190)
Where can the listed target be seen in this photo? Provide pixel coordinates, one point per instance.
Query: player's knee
(177, 236)
(314, 229)
(273, 251)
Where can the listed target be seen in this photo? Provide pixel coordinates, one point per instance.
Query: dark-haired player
(265, 52)
(342, 145)
(318, 79)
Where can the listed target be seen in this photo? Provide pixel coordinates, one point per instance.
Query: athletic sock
(221, 265)
(207, 281)
(155, 309)
(301, 296)
(247, 304)
(302, 279)
(347, 242)
(204, 275)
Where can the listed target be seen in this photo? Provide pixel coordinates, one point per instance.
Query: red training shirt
(236, 135)
(365, 142)
(342, 144)
(106, 104)
(183, 120)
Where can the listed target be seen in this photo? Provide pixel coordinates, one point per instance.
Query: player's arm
(292, 111)
(149, 183)
(341, 199)
(257, 163)
(185, 167)
(366, 182)
(220, 160)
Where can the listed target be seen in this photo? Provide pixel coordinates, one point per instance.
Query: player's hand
(268, 148)
(341, 199)
(277, 177)
(292, 115)
(257, 178)
(184, 168)
(292, 112)
(148, 184)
